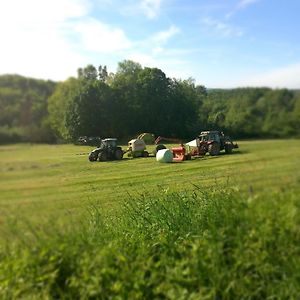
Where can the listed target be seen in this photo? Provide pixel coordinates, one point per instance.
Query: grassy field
(43, 180)
(225, 227)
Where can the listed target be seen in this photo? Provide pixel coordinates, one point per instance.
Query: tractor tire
(119, 154)
(188, 156)
(145, 154)
(93, 156)
(228, 148)
(214, 149)
(102, 156)
(159, 147)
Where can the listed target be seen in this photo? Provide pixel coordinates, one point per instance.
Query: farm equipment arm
(174, 140)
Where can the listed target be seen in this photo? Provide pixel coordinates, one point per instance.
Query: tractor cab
(109, 143)
(210, 136)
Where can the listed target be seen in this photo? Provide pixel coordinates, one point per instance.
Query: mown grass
(40, 180)
(212, 228)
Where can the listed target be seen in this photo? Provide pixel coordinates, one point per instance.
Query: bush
(10, 135)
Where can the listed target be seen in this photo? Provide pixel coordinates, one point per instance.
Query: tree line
(139, 99)
(24, 109)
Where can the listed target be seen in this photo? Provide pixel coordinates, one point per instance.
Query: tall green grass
(202, 244)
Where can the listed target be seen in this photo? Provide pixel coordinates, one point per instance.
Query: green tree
(87, 113)
(126, 99)
(102, 73)
(87, 73)
(23, 109)
(58, 106)
(152, 101)
(186, 100)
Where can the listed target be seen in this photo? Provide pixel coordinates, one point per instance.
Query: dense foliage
(133, 100)
(202, 245)
(24, 109)
(137, 99)
(254, 112)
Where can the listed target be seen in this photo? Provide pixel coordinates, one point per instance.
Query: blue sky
(230, 43)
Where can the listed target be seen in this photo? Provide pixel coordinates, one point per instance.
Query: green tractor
(108, 150)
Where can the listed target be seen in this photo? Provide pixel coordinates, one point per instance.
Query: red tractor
(212, 142)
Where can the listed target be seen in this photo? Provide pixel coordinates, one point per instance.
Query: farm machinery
(137, 148)
(179, 153)
(108, 150)
(88, 140)
(211, 142)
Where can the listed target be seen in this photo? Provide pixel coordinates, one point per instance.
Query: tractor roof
(209, 131)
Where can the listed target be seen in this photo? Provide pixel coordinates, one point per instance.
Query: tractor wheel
(214, 149)
(119, 154)
(102, 156)
(228, 148)
(159, 147)
(188, 156)
(145, 154)
(93, 156)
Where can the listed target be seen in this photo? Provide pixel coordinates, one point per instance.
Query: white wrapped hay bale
(164, 156)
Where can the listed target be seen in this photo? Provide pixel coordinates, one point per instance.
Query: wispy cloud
(150, 8)
(284, 77)
(133, 8)
(155, 51)
(242, 4)
(221, 28)
(153, 46)
(163, 36)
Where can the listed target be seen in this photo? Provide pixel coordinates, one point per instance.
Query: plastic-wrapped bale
(164, 156)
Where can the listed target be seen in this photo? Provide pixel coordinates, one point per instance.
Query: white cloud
(51, 38)
(99, 37)
(36, 12)
(242, 4)
(150, 8)
(153, 46)
(33, 40)
(157, 50)
(40, 38)
(245, 3)
(221, 28)
(285, 77)
(163, 36)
